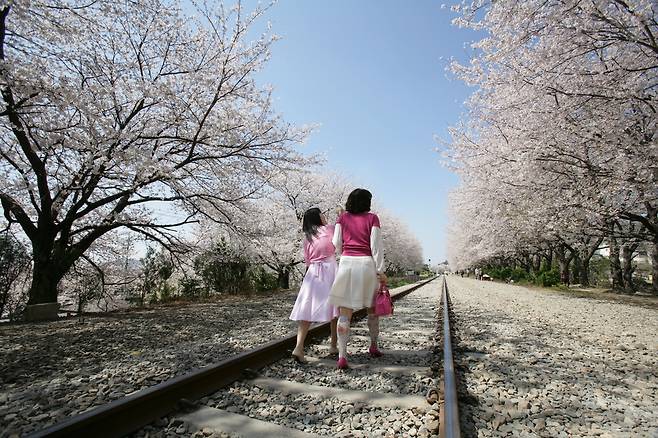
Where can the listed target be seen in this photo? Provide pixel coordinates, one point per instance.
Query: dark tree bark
(283, 278)
(653, 253)
(584, 272)
(627, 250)
(652, 217)
(584, 256)
(527, 263)
(615, 265)
(46, 276)
(536, 263)
(564, 255)
(577, 267)
(649, 224)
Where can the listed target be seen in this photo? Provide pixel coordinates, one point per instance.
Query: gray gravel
(334, 417)
(544, 364)
(50, 371)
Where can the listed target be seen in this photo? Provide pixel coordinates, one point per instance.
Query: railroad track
(236, 387)
(449, 403)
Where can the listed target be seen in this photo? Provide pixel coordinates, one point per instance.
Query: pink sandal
(342, 363)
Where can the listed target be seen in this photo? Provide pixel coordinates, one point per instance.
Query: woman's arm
(307, 249)
(338, 239)
(377, 248)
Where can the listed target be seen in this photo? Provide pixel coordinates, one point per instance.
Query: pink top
(356, 230)
(321, 247)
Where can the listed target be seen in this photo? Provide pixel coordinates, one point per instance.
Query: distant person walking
(312, 304)
(358, 238)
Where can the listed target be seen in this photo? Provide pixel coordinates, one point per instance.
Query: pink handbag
(383, 302)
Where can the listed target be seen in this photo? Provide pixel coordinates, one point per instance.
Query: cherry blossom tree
(112, 110)
(272, 227)
(277, 237)
(269, 231)
(402, 249)
(561, 130)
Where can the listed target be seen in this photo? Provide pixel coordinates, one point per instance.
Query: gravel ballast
(53, 370)
(407, 340)
(536, 363)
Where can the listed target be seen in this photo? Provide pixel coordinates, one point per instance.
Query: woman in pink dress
(312, 303)
(358, 238)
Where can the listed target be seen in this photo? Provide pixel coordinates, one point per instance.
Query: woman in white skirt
(357, 236)
(312, 304)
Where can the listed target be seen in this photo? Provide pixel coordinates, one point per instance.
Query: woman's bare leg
(302, 331)
(345, 311)
(373, 329)
(343, 331)
(334, 338)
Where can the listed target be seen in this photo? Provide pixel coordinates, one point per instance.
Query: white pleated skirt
(355, 283)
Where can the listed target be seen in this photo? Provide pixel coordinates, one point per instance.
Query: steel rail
(127, 414)
(449, 407)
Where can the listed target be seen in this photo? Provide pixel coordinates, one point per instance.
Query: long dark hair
(311, 222)
(358, 201)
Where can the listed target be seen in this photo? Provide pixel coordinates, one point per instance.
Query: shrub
(156, 269)
(548, 278)
(85, 283)
(263, 280)
(166, 292)
(599, 268)
(223, 270)
(191, 288)
(393, 282)
(15, 263)
(498, 273)
(518, 274)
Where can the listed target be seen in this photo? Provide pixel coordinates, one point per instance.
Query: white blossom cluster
(270, 229)
(558, 150)
(145, 117)
(109, 108)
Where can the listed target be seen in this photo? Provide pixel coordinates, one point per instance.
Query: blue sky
(372, 74)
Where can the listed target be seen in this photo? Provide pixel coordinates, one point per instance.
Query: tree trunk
(527, 263)
(563, 262)
(627, 266)
(283, 278)
(81, 305)
(3, 302)
(652, 217)
(577, 267)
(615, 265)
(653, 252)
(564, 271)
(46, 276)
(585, 255)
(584, 272)
(536, 263)
(50, 263)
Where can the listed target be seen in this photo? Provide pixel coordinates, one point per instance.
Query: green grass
(394, 282)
